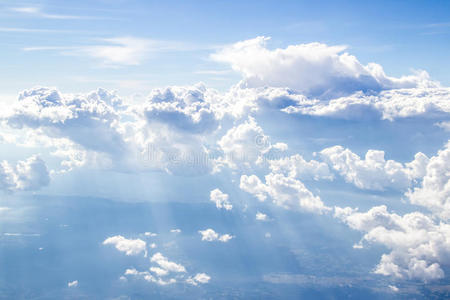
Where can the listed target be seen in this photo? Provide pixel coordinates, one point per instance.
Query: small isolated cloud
(72, 283)
(261, 216)
(129, 246)
(199, 278)
(210, 235)
(175, 230)
(150, 234)
(221, 199)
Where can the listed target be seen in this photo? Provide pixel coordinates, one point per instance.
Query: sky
(221, 149)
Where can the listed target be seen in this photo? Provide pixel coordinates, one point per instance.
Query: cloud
(297, 167)
(434, 192)
(374, 172)
(199, 278)
(37, 12)
(419, 246)
(221, 199)
(73, 283)
(261, 216)
(209, 235)
(167, 265)
(313, 69)
(284, 191)
(28, 175)
(386, 105)
(129, 246)
(175, 230)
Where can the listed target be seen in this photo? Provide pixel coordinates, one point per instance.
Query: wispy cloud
(119, 51)
(38, 12)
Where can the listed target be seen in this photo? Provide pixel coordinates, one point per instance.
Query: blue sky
(218, 149)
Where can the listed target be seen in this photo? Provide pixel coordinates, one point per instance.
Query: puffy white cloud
(159, 271)
(389, 105)
(175, 230)
(31, 174)
(167, 265)
(297, 167)
(245, 145)
(313, 69)
(184, 108)
(90, 120)
(210, 235)
(201, 278)
(221, 199)
(129, 246)
(419, 246)
(72, 283)
(261, 216)
(374, 172)
(284, 191)
(434, 192)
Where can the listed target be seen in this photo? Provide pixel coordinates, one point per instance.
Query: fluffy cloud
(284, 191)
(297, 167)
(374, 172)
(199, 278)
(261, 216)
(73, 283)
(313, 69)
(31, 174)
(434, 192)
(129, 246)
(245, 145)
(220, 199)
(210, 235)
(419, 246)
(389, 105)
(90, 120)
(167, 265)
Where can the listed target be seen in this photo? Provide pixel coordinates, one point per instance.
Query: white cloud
(313, 69)
(284, 191)
(374, 172)
(386, 105)
(210, 235)
(31, 174)
(175, 230)
(150, 234)
(419, 246)
(167, 265)
(434, 192)
(37, 12)
(297, 167)
(261, 216)
(73, 283)
(221, 199)
(201, 278)
(129, 246)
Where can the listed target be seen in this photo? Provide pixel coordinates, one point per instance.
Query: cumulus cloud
(167, 265)
(297, 167)
(284, 191)
(386, 105)
(199, 278)
(419, 246)
(374, 172)
(314, 69)
(72, 283)
(261, 216)
(220, 199)
(245, 145)
(129, 246)
(209, 235)
(31, 174)
(434, 192)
